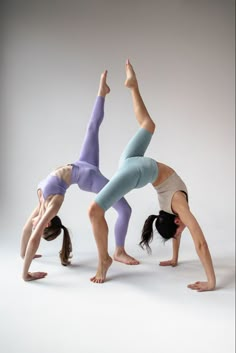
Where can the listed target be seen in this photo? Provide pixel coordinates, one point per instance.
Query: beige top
(167, 189)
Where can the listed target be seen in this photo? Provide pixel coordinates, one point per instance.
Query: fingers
(41, 274)
(36, 275)
(193, 286)
(164, 263)
(168, 263)
(36, 256)
(198, 286)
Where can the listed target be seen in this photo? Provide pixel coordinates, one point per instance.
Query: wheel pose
(136, 171)
(44, 222)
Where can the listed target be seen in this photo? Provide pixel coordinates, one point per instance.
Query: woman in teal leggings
(136, 171)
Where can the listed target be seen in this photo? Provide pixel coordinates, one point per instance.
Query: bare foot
(131, 80)
(104, 89)
(121, 256)
(102, 271)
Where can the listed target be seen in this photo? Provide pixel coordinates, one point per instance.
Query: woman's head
(52, 231)
(166, 224)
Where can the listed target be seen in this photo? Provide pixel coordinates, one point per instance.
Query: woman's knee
(95, 211)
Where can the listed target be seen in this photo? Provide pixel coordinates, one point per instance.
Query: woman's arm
(35, 238)
(26, 233)
(201, 248)
(202, 251)
(174, 261)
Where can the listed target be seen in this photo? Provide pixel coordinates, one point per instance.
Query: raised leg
(90, 148)
(140, 110)
(121, 183)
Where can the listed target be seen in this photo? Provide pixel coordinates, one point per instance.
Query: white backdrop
(51, 56)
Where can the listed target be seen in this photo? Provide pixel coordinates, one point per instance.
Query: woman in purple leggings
(44, 222)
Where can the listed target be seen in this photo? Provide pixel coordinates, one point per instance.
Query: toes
(133, 262)
(97, 280)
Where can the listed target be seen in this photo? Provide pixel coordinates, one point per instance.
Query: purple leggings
(87, 175)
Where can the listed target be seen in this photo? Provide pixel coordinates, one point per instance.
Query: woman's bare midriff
(64, 173)
(164, 171)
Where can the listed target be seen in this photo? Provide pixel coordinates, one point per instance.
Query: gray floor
(144, 308)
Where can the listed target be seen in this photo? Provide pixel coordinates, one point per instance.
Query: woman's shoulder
(179, 202)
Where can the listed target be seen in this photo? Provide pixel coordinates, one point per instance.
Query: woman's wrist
(212, 284)
(25, 277)
(175, 260)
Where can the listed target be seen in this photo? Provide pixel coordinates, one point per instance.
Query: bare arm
(35, 238)
(26, 233)
(181, 207)
(174, 261)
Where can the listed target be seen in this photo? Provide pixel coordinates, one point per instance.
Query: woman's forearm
(26, 233)
(205, 257)
(176, 244)
(34, 241)
(30, 252)
(203, 253)
(24, 241)
(200, 245)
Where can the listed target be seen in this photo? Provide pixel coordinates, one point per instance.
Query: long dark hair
(52, 232)
(165, 225)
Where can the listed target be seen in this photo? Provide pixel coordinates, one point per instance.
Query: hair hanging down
(165, 225)
(52, 232)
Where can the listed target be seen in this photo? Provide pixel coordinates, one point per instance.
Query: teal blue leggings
(135, 171)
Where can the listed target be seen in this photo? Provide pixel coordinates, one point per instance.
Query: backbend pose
(85, 172)
(136, 171)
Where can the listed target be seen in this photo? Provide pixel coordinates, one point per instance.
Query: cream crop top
(167, 189)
